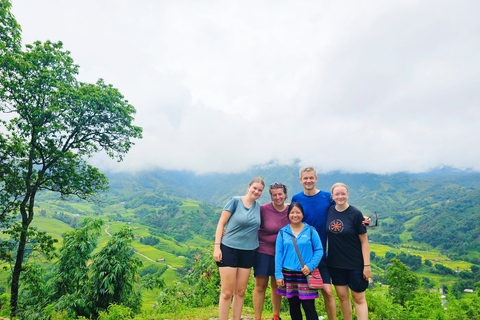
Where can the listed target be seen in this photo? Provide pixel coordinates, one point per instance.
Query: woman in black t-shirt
(348, 255)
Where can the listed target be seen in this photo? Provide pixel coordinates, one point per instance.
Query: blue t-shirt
(316, 208)
(241, 229)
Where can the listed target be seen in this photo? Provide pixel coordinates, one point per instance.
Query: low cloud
(221, 86)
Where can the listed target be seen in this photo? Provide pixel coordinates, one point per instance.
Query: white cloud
(223, 85)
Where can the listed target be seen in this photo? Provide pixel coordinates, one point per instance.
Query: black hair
(295, 204)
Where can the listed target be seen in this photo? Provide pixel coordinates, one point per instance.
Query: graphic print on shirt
(336, 226)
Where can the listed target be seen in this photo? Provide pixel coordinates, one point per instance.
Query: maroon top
(271, 222)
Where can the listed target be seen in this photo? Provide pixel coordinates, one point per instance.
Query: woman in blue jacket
(290, 274)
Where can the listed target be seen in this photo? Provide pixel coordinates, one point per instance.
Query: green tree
(389, 255)
(35, 296)
(82, 284)
(10, 41)
(70, 283)
(114, 271)
(402, 283)
(475, 268)
(10, 31)
(57, 122)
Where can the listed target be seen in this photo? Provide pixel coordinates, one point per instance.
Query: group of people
(249, 235)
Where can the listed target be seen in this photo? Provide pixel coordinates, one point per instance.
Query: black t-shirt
(344, 246)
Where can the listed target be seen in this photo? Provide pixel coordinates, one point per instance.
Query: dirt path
(106, 230)
(141, 254)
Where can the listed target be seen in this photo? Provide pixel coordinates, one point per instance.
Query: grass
(208, 313)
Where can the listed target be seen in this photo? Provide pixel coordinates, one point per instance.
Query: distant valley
(434, 216)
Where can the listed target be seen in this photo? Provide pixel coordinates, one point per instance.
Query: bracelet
(217, 243)
(366, 265)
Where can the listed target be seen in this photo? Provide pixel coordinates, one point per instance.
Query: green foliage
(37, 243)
(453, 226)
(86, 285)
(70, 282)
(116, 312)
(200, 288)
(149, 240)
(205, 280)
(173, 218)
(10, 31)
(427, 283)
(441, 269)
(464, 309)
(426, 305)
(5, 309)
(68, 219)
(411, 260)
(432, 198)
(57, 123)
(114, 272)
(151, 281)
(381, 306)
(402, 283)
(35, 298)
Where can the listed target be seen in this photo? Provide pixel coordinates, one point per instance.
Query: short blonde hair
(339, 184)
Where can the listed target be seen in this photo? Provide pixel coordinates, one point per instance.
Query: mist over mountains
(440, 208)
(216, 188)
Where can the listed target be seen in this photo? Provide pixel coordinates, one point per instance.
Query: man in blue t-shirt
(315, 205)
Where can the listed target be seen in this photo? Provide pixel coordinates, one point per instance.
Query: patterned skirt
(296, 286)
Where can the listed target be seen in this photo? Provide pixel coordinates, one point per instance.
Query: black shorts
(324, 272)
(264, 265)
(353, 278)
(236, 258)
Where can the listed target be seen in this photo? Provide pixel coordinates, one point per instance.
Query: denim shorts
(353, 278)
(236, 258)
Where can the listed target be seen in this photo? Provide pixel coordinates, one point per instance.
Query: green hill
(174, 215)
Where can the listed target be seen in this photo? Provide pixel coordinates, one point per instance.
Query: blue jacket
(308, 243)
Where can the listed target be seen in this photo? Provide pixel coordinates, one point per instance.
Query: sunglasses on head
(276, 185)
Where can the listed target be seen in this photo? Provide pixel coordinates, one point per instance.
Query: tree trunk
(18, 263)
(16, 272)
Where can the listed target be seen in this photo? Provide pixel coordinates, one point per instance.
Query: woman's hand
(220, 231)
(305, 270)
(366, 221)
(217, 254)
(367, 272)
(280, 283)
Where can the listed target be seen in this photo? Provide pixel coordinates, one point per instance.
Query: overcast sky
(359, 86)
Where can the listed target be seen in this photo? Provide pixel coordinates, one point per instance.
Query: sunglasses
(276, 185)
(376, 220)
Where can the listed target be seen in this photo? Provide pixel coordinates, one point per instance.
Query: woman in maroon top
(273, 218)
